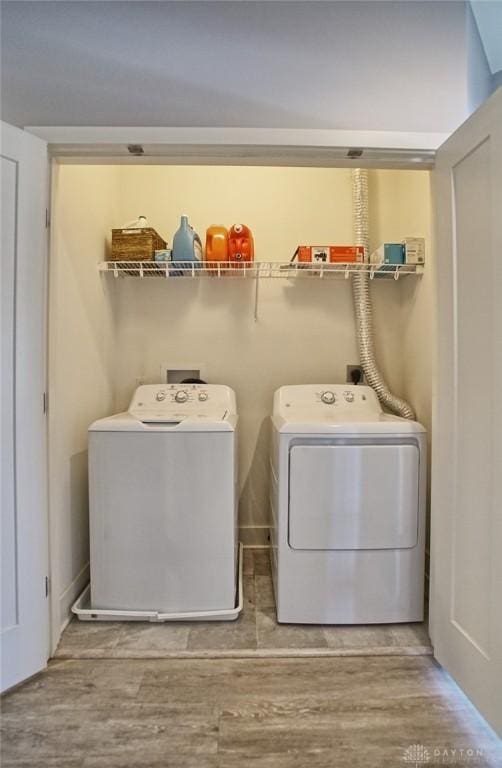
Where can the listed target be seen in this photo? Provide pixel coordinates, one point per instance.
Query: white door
(466, 522)
(24, 529)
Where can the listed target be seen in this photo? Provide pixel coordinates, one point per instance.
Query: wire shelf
(255, 269)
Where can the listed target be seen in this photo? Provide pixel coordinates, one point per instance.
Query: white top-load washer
(163, 511)
(348, 491)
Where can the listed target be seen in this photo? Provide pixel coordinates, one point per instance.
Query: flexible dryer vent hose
(362, 303)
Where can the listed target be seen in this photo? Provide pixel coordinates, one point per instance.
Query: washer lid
(176, 407)
(335, 409)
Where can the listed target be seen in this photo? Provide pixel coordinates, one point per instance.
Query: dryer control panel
(176, 402)
(359, 401)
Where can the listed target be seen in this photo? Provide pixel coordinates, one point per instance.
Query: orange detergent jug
(216, 245)
(240, 245)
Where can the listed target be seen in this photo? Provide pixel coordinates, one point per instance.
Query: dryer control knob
(160, 396)
(181, 396)
(349, 396)
(203, 396)
(328, 397)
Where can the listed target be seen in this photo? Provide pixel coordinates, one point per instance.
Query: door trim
(242, 146)
(30, 632)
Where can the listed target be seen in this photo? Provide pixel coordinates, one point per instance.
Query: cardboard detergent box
(414, 250)
(389, 253)
(330, 254)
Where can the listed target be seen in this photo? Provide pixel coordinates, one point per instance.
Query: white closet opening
(107, 335)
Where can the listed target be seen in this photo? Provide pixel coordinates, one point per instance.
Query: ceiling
(346, 65)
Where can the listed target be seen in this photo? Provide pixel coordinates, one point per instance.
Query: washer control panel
(175, 402)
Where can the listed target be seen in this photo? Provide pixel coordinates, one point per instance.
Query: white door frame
(231, 146)
(241, 146)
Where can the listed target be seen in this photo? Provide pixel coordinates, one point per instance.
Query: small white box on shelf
(414, 250)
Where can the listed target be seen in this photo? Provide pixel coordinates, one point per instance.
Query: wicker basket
(135, 244)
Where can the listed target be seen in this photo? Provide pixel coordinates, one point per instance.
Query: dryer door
(353, 496)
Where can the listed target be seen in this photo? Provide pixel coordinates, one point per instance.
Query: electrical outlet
(350, 370)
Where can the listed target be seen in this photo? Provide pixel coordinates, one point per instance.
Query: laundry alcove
(107, 336)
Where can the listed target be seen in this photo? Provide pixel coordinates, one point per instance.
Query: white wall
(488, 17)
(417, 296)
(305, 331)
(400, 202)
(397, 66)
(81, 368)
(479, 75)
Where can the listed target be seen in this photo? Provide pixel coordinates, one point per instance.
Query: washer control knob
(349, 396)
(328, 397)
(160, 396)
(181, 396)
(203, 396)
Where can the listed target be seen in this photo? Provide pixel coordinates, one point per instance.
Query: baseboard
(70, 594)
(254, 535)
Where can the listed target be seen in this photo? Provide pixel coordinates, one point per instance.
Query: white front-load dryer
(348, 496)
(163, 511)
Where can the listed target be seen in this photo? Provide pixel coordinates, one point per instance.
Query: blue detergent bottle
(187, 246)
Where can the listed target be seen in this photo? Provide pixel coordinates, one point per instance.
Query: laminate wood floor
(255, 633)
(348, 712)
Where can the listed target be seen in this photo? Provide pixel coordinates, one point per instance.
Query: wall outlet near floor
(350, 373)
(174, 373)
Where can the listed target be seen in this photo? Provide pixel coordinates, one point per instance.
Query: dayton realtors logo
(417, 755)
